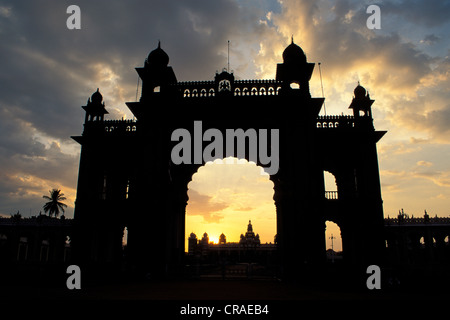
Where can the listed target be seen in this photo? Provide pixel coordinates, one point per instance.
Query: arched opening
(422, 242)
(333, 242)
(331, 189)
(67, 247)
(125, 244)
(22, 250)
(44, 252)
(294, 85)
(224, 196)
(125, 237)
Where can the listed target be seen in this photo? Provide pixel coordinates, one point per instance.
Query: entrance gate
(127, 177)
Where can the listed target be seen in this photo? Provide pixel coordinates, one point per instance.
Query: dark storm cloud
(430, 13)
(430, 39)
(48, 72)
(46, 67)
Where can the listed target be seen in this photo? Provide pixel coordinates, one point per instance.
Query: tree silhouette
(54, 206)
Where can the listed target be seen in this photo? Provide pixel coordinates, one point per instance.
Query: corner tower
(295, 69)
(156, 73)
(95, 108)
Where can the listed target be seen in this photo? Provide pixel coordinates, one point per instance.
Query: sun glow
(214, 239)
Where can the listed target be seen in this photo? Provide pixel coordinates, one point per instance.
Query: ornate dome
(158, 57)
(97, 97)
(293, 54)
(360, 91)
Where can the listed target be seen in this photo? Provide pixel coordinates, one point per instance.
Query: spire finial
(159, 44)
(292, 39)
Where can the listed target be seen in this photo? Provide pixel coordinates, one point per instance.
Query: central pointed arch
(224, 195)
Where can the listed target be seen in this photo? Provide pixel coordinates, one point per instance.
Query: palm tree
(54, 206)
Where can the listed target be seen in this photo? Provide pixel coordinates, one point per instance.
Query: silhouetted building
(248, 249)
(417, 241)
(38, 241)
(250, 239)
(127, 179)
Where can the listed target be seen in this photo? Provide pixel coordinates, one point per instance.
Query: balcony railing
(331, 195)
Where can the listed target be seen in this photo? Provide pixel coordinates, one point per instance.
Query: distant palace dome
(293, 54)
(158, 57)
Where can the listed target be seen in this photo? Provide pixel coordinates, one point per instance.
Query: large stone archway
(128, 176)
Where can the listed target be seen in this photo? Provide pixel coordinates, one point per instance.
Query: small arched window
(262, 91)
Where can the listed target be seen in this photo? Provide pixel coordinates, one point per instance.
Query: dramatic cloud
(205, 206)
(48, 72)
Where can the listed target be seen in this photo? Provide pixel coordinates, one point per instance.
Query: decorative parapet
(112, 127)
(332, 122)
(202, 89)
(410, 221)
(40, 220)
(120, 125)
